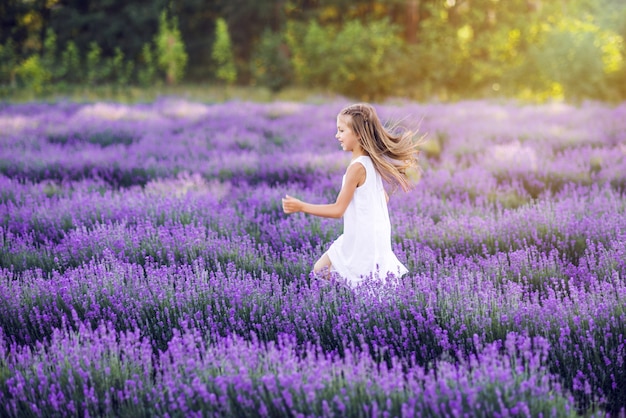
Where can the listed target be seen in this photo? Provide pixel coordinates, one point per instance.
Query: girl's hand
(291, 204)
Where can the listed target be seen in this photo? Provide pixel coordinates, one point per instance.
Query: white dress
(364, 248)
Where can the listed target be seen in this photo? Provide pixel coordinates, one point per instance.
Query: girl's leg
(322, 267)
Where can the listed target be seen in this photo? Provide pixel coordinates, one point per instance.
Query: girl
(377, 154)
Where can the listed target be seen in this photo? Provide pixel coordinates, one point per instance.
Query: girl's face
(347, 138)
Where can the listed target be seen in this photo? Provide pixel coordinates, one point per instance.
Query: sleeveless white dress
(364, 248)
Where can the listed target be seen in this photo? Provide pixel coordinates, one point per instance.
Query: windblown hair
(392, 153)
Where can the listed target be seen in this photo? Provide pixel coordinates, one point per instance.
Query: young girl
(377, 154)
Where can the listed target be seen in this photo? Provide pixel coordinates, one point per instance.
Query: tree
(364, 57)
(109, 23)
(222, 53)
(8, 64)
(147, 70)
(70, 63)
(271, 65)
(32, 74)
(172, 57)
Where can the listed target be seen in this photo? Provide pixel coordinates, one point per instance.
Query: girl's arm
(355, 176)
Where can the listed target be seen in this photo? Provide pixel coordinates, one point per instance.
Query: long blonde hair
(392, 152)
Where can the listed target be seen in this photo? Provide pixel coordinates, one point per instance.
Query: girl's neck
(358, 153)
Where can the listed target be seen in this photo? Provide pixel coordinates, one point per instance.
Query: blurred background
(421, 50)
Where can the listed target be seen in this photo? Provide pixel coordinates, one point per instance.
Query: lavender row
(128, 146)
(101, 372)
(212, 220)
(437, 313)
(534, 149)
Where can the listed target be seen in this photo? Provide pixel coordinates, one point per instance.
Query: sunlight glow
(611, 45)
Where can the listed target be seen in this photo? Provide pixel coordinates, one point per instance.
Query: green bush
(122, 71)
(271, 66)
(222, 53)
(576, 50)
(357, 59)
(49, 55)
(146, 73)
(32, 74)
(95, 68)
(172, 57)
(309, 43)
(8, 63)
(70, 63)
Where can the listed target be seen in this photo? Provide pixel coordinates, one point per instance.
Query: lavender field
(147, 268)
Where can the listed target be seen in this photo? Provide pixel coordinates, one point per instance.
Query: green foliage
(368, 49)
(434, 56)
(576, 50)
(8, 63)
(48, 57)
(122, 70)
(473, 50)
(95, 70)
(100, 69)
(70, 63)
(32, 74)
(222, 53)
(306, 42)
(146, 73)
(362, 57)
(172, 57)
(271, 66)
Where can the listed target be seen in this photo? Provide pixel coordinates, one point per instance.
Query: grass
(202, 92)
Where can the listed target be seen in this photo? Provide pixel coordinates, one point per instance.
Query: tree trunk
(412, 20)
